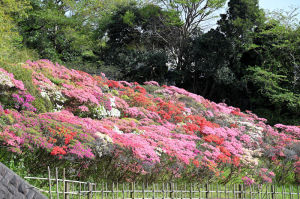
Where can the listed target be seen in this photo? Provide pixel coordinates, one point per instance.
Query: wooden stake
(49, 177)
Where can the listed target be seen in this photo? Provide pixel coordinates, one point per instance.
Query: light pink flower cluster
(152, 83)
(7, 79)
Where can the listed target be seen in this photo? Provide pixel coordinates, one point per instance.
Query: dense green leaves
(276, 51)
(138, 41)
(48, 30)
(10, 40)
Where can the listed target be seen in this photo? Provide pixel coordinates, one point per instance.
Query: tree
(67, 30)
(47, 29)
(136, 42)
(217, 54)
(210, 55)
(288, 18)
(274, 73)
(193, 14)
(238, 26)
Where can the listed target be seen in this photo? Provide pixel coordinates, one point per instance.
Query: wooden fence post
(191, 191)
(172, 190)
(143, 190)
(234, 193)
(163, 190)
(112, 191)
(79, 190)
(153, 190)
(64, 183)
(207, 190)
(123, 191)
(258, 191)
(131, 194)
(67, 189)
(218, 191)
(117, 190)
(90, 189)
(102, 191)
(49, 177)
(240, 191)
(56, 178)
(132, 190)
(273, 191)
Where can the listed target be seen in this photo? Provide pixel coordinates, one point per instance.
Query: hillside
(118, 130)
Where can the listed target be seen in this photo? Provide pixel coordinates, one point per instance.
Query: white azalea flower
(117, 130)
(114, 112)
(112, 102)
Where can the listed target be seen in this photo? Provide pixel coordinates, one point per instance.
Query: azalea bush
(124, 131)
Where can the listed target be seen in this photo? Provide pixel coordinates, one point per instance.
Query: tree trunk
(212, 90)
(206, 88)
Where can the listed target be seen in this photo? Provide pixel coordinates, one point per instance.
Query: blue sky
(269, 5)
(278, 4)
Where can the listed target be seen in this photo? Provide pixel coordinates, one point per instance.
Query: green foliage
(192, 15)
(151, 88)
(288, 18)
(69, 32)
(10, 40)
(267, 81)
(13, 161)
(276, 80)
(192, 12)
(218, 71)
(129, 18)
(7, 120)
(55, 80)
(210, 53)
(269, 86)
(5, 99)
(132, 53)
(191, 103)
(46, 29)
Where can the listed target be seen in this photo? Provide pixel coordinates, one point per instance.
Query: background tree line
(249, 59)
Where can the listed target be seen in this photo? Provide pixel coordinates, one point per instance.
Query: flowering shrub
(153, 83)
(7, 80)
(248, 181)
(23, 101)
(141, 131)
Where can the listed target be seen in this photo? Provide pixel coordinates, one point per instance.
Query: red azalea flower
(236, 161)
(58, 151)
(196, 163)
(223, 158)
(233, 125)
(225, 151)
